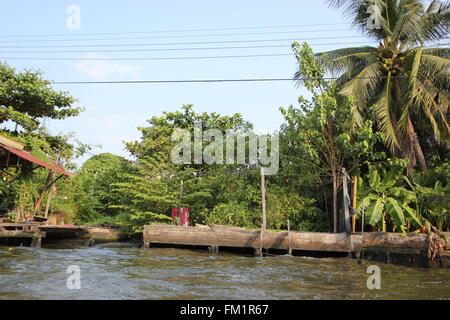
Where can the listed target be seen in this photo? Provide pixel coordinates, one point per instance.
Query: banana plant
(385, 199)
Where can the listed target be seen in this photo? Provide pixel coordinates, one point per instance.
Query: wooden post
(263, 198)
(263, 195)
(361, 254)
(355, 193)
(180, 199)
(348, 229)
(36, 241)
(289, 238)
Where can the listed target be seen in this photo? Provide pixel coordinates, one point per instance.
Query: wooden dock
(388, 247)
(34, 234)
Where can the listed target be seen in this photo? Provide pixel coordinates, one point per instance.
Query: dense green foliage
(321, 136)
(385, 121)
(403, 84)
(26, 99)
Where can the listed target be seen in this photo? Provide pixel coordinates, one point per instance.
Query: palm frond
(339, 61)
(412, 92)
(363, 87)
(383, 111)
(359, 13)
(408, 28)
(435, 65)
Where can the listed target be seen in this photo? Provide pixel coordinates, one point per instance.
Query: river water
(121, 271)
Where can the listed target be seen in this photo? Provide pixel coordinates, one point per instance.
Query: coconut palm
(403, 82)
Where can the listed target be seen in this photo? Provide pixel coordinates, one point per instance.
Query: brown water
(124, 272)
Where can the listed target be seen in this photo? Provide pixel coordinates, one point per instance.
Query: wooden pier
(36, 234)
(387, 247)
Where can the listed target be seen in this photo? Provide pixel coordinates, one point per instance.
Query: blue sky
(113, 111)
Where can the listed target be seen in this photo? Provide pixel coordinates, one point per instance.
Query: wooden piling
(263, 201)
(289, 238)
(36, 241)
(346, 201)
(355, 193)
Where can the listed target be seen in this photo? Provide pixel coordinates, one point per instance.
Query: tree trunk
(420, 157)
(49, 200)
(38, 203)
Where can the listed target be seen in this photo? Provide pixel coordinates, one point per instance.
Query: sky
(114, 111)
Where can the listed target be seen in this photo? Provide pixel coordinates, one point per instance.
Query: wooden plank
(305, 241)
(241, 238)
(19, 234)
(41, 226)
(395, 240)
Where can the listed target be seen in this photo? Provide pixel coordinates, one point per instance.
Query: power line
(149, 59)
(174, 31)
(152, 50)
(180, 49)
(193, 48)
(224, 80)
(153, 58)
(178, 36)
(178, 43)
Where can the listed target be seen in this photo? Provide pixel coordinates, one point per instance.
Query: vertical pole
(263, 196)
(36, 241)
(361, 255)
(289, 238)
(355, 193)
(348, 228)
(180, 199)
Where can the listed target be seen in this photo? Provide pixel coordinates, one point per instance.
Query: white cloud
(101, 70)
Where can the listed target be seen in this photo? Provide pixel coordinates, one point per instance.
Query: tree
(27, 94)
(96, 178)
(148, 193)
(25, 99)
(401, 84)
(320, 134)
(152, 190)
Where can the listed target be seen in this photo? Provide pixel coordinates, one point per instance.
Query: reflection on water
(120, 271)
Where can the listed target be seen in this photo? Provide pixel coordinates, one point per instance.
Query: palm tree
(401, 83)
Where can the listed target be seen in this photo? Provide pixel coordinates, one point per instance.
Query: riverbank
(38, 235)
(410, 249)
(406, 249)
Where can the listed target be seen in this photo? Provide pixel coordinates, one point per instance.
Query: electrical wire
(190, 48)
(180, 43)
(174, 31)
(149, 59)
(178, 36)
(221, 80)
